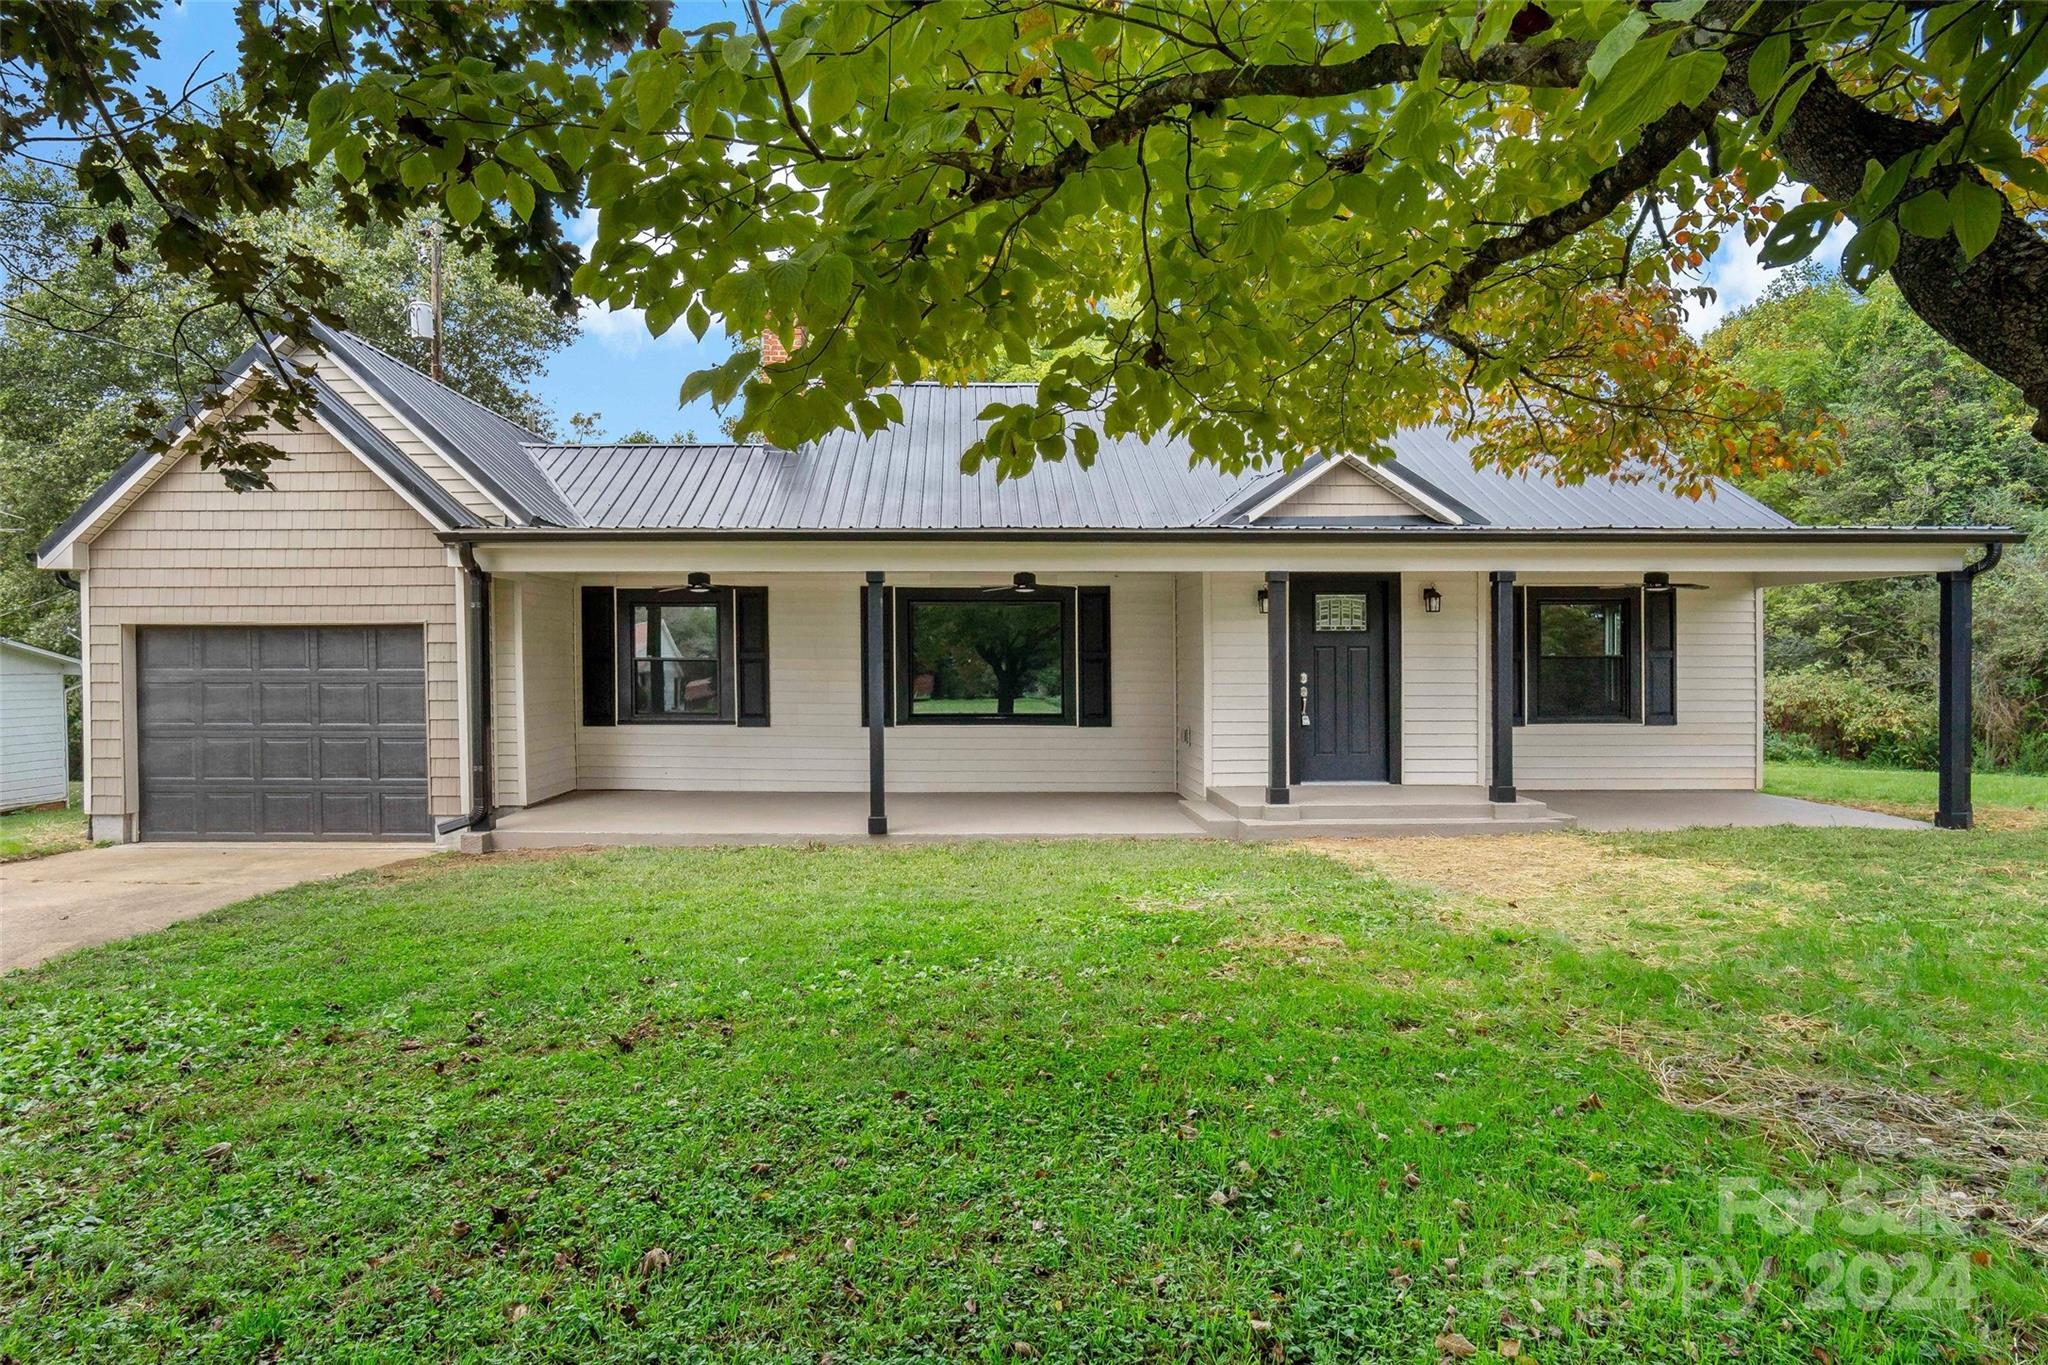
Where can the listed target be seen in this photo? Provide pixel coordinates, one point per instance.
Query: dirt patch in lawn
(1585, 890)
(1979, 1151)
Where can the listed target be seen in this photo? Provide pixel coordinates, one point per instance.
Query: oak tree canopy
(1276, 229)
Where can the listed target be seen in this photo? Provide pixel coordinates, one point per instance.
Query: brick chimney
(773, 352)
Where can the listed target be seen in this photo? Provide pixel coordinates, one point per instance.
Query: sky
(616, 369)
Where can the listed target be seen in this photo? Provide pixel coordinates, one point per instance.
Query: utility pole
(434, 286)
(424, 315)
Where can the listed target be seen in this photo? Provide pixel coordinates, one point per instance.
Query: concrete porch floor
(694, 818)
(681, 819)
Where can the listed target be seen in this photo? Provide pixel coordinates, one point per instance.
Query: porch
(702, 819)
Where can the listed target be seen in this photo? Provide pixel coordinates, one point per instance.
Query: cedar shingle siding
(328, 543)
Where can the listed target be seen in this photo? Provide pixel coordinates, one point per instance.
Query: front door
(1341, 662)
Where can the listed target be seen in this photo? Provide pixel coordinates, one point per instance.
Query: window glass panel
(1582, 671)
(994, 658)
(1343, 611)
(675, 659)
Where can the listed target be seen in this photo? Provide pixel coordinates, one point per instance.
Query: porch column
(1505, 682)
(1277, 684)
(878, 687)
(1952, 809)
(482, 817)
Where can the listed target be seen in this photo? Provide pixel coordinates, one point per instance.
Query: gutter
(482, 816)
(1994, 550)
(1831, 535)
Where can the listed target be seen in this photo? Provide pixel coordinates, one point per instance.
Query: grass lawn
(38, 833)
(2005, 798)
(1158, 1101)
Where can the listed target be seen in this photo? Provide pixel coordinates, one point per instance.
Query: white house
(434, 618)
(35, 751)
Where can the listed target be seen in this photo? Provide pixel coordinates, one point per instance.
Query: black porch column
(1504, 685)
(878, 701)
(1276, 689)
(1952, 810)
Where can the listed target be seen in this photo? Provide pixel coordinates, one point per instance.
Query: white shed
(35, 756)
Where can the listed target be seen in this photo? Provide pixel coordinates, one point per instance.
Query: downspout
(481, 816)
(1994, 550)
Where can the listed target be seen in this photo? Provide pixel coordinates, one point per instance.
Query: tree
(1927, 435)
(1334, 218)
(84, 336)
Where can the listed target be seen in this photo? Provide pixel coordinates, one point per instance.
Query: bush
(1832, 714)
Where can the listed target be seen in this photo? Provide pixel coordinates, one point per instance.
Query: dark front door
(1340, 667)
(283, 732)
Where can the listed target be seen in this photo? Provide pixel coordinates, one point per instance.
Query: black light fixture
(1025, 582)
(1265, 603)
(700, 582)
(1432, 600)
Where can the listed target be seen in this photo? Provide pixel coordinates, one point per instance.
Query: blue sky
(615, 368)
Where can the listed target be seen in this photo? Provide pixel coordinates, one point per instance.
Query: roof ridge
(443, 385)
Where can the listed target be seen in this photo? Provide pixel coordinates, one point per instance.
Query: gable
(1349, 488)
(412, 444)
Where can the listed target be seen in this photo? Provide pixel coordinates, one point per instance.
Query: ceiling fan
(1019, 585)
(1661, 582)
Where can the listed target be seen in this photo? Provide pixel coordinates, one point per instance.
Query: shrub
(1839, 715)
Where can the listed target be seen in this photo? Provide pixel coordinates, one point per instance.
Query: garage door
(267, 732)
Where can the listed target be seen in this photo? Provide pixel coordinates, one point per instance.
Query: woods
(1925, 435)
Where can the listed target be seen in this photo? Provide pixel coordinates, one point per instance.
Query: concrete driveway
(52, 905)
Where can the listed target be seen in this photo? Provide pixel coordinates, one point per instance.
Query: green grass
(1126, 1101)
(1901, 789)
(39, 833)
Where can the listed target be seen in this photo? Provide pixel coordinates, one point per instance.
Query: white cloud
(1740, 279)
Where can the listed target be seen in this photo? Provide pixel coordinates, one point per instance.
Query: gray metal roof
(488, 447)
(908, 477)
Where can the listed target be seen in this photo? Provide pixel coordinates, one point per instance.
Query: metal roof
(908, 478)
(487, 446)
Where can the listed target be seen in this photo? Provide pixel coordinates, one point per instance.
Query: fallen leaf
(1507, 1348)
(1454, 1345)
(514, 1312)
(654, 1262)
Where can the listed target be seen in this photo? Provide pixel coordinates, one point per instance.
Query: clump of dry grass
(1979, 1150)
(1588, 892)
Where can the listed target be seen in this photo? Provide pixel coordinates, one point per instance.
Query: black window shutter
(1660, 658)
(1520, 682)
(1091, 629)
(600, 666)
(888, 662)
(750, 653)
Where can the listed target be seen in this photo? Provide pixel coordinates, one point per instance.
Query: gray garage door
(268, 732)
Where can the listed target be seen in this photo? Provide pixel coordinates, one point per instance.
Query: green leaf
(833, 93)
(326, 107)
(415, 171)
(519, 192)
(1925, 214)
(1797, 234)
(1614, 45)
(464, 203)
(1870, 252)
(1976, 209)
(832, 281)
(1767, 64)
(348, 157)
(574, 146)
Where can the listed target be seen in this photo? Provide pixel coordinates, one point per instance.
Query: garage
(282, 732)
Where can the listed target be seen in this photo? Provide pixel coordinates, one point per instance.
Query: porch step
(1389, 812)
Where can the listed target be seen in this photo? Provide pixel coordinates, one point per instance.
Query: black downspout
(878, 701)
(1505, 684)
(482, 818)
(1953, 808)
(1278, 737)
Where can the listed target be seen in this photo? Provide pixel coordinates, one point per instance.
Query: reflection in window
(1000, 658)
(1584, 664)
(1343, 611)
(675, 659)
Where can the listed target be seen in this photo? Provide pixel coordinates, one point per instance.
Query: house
(436, 621)
(35, 741)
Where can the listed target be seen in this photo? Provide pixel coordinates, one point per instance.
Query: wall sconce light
(1265, 604)
(1432, 600)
